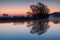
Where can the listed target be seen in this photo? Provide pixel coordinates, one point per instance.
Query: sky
(20, 7)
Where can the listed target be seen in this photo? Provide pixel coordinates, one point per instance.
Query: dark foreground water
(30, 30)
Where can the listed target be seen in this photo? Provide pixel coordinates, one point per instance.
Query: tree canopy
(38, 9)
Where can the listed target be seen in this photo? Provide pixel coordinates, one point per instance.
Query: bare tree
(38, 10)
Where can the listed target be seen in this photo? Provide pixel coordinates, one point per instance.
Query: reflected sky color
(20, 7)
(14, 31)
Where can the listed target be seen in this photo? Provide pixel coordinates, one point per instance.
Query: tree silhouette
(40, 10)
(39, 27)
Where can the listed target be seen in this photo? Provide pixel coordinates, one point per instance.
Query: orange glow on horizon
(52, 10)
(17, 12)
(13, 12)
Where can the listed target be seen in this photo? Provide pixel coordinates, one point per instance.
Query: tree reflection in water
(39, 27)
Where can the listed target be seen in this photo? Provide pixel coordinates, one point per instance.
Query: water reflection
(55, 20)
(39, 26)
(16, 23)
(18, 29)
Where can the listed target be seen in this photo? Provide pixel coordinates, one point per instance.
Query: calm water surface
(30, 30)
